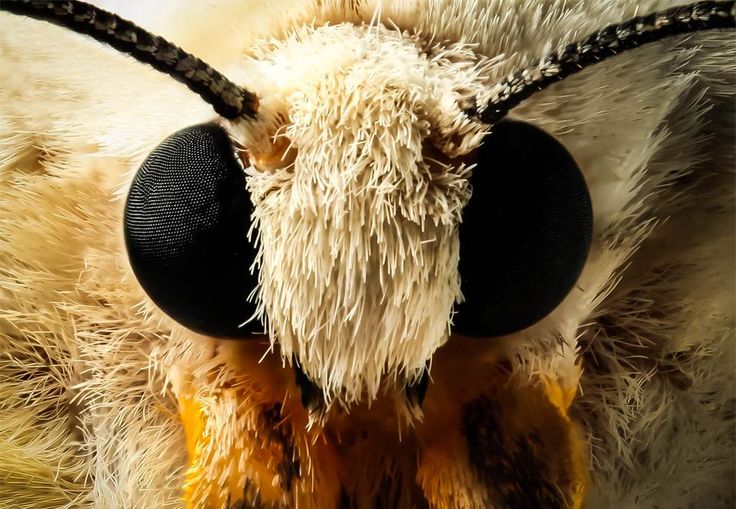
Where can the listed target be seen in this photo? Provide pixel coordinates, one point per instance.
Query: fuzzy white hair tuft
(357, 231)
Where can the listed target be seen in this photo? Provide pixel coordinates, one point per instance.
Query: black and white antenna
(600, 45)
(227, 98)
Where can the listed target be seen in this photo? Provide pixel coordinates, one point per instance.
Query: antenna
(600, 45)
(227, 98)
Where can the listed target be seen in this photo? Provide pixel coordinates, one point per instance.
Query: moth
(430, 253)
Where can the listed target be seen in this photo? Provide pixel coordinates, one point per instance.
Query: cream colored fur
(356, 229)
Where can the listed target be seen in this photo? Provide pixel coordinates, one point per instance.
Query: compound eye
(187, 218)
(525, 233)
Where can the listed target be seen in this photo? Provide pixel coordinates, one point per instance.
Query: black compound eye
(525, 234)
(186, 222)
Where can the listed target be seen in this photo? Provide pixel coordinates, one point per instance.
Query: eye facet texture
(525, 234)
(186, 222)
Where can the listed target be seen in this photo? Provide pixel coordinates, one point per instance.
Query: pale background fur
(85, 357)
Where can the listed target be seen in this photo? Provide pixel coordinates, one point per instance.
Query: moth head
(381, 194)
(359, 180)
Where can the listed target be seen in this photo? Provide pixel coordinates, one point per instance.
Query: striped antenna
(601, 45)
(227, 98)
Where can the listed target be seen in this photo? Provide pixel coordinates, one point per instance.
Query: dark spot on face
(346, 501)
(312, 399)
(513, 467)
(416, 391)
(248, 499)
(279, 432)
(386, 495)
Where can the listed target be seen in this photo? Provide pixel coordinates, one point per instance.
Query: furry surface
(627, 389)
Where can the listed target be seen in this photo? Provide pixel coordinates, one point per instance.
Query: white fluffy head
(357, 219)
